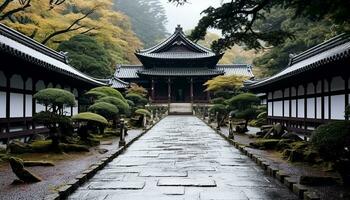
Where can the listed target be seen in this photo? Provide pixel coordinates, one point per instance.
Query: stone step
(180, 108)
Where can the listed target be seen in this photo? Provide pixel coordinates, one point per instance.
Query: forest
(98, 34)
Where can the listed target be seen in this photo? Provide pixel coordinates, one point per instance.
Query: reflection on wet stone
(182, 158)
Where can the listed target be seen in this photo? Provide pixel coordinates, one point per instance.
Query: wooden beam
(191, 89)
(169, 90)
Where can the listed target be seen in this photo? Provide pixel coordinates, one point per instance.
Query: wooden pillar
(169, 90)
(322, 100)
(346, 82)
(152, 90)
(305, 105)
(272, 103)
(290, 106)
(329, 98)
(191, 89)
(33, 101)
(283, 102)
(24, 100)
(315, 93)
(8, 82)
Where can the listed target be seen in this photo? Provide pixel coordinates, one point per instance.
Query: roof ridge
(319, 48)
(30, 42)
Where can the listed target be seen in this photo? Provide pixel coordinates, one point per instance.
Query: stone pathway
(182, 158)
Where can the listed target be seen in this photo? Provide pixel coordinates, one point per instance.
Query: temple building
(176, 69)
(27, 67)
(312, 90)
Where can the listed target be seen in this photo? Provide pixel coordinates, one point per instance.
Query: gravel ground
(63, 171)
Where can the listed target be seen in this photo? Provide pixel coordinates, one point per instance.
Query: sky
(186, 15)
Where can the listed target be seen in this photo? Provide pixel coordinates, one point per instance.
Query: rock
(17, 147)
(291, 136)
(102, 151)
(317, 180)
(266, 127)
(23, 174)
(17, 182)
(241, 129)
(265, 144)
(37, 137)
(296, 155)
(278, 129)
(38, 163)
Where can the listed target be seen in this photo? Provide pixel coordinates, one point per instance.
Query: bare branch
(69, 28)
(4, 5)
(13, 11)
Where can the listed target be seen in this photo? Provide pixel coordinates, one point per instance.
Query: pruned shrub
(90, 120)
(218, 100)
(106, 91)
(89, 117)
(137, 99)
(55, 100)
(122, 106)
(107, 110)
(143, 112)
(333, 143)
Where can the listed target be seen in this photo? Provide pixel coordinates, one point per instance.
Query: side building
(176, 69)
(312, 90)
(27, 67)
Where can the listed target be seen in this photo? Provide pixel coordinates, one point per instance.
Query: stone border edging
(64, 191)
(291, 182)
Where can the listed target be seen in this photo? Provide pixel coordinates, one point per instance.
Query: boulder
(266, 127)
(17, 147)
(38, 163)
(264, 144)
(23, 174)
(38, 137)
(291, 136)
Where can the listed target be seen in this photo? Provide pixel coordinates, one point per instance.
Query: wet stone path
(182, 158)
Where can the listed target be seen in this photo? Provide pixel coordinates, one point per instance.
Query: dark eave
(335, 49)
(178, 72)
(23, 47)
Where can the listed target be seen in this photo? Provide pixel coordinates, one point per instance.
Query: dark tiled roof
(21, 46)
(177, 46)
(115, 83)
(127, 71)
(237, 69)
(118, 84)
(180, 72)
(332, 50)
(131, 71)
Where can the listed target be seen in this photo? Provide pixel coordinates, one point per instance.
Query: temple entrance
(180, 91)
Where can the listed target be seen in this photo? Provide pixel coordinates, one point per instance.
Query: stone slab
(158, 173)
(129, 185)
(189, 182)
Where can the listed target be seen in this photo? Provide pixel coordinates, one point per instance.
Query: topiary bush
(122, 106)
(55, 100)
(333, 143)
(107, 110)
(90, 117)
(138, 100)
(106, 91)
(91, 121)
(143, 112)
(244, 106)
